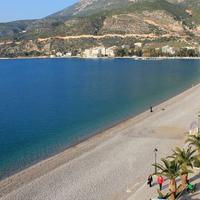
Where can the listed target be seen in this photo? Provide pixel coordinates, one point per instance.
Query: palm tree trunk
(184, 178)
(172, 189)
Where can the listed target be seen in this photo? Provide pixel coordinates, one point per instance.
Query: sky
(11, 10)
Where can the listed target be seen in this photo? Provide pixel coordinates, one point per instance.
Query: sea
(48, 105)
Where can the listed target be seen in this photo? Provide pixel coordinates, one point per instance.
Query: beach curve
(105, 165)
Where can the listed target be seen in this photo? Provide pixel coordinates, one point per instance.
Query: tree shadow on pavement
(196, 194)
(197, 176)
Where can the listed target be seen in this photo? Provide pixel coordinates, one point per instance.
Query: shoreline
(76, 150)
(102, 58)
(94, 134)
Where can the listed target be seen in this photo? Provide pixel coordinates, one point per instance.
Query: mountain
(173, 18)
(85, 13)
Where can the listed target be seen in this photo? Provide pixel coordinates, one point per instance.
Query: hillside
(173, 19)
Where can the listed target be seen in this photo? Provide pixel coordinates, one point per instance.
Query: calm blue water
(48, 104)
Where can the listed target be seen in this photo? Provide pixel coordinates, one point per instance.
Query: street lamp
(155, 153)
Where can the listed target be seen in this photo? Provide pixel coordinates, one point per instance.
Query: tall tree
(185, 157)
(171, 170)
(194, 140)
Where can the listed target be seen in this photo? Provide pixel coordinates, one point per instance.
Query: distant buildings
(59, 54)
(110, 52)
(94, 52)
(168, 50)
(138, 45)
(68, 54)
(136, 50)
(100, 51)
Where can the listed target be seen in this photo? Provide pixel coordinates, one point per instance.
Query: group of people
(190, 188)
(160, 181)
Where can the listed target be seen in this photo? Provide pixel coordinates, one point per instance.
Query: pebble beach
(112, 165)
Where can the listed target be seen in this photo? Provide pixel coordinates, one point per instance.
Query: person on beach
(160, 181)
(150, 180)
(151, 109)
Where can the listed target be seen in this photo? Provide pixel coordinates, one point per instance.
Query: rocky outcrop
(157, 22)
(84, 4)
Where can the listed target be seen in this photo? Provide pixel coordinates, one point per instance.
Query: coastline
(99, 58)
(46, 166)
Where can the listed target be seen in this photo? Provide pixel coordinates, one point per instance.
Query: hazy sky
(30, 9)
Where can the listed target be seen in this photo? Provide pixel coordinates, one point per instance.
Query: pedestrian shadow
(154, 184)
(165, 186)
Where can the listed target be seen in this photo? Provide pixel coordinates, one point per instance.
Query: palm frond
(168, 168)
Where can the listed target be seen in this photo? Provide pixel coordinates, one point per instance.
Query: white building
(59, 54)
(68, 54)
(94, 52)
(169, 50)
(100, 51)
(190, 48)
(110, 52)
(138, 44)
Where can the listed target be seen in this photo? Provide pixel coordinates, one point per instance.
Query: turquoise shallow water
(48, 104)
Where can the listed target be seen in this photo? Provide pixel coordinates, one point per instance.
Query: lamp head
(155, 150)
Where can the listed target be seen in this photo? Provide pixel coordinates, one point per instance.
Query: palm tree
(185, 158)
(194, 140)
(171, 170)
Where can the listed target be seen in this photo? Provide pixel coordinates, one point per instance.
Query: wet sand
(112, 165)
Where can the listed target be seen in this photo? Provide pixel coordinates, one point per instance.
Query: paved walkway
(113, 165)
(144, 192)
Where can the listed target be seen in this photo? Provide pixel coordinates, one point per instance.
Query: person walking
(150, 180)
(160, 181)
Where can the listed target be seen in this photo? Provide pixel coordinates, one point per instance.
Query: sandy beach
(112, 165)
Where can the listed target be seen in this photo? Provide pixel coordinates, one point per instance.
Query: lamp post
(155, 153)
